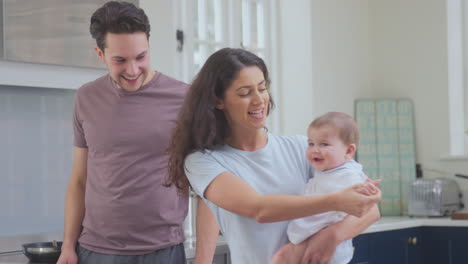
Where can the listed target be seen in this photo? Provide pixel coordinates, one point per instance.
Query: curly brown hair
(200, 126)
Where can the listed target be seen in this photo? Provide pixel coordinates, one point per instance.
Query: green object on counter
(386, 149)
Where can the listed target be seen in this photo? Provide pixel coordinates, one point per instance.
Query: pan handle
(462, 176)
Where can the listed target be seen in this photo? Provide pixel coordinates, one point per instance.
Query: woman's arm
(321, 246)
(207, 234)
(231, 193)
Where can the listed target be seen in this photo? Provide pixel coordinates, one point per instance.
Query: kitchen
(323, 48)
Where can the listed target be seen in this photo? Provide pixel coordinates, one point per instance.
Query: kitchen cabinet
(448, 245)
(427, 244)
(397, 246)
(361, 249)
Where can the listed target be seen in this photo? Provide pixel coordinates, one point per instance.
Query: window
(209, 25)
(457, 46)
(464, 89)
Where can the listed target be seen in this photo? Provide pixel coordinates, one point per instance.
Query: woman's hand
(319, 248)
(358, 199)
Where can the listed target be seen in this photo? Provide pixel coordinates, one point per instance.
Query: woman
(251, 179)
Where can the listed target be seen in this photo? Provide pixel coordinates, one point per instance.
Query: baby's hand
(369, 187)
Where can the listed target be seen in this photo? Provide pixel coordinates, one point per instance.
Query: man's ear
(99, 53)
(351, 150)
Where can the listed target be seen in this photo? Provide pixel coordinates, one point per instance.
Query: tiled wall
(36, 142)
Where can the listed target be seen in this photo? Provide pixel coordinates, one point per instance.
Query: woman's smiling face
(245, 101)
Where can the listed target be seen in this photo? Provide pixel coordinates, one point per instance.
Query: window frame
(457, 55)
(232, 29)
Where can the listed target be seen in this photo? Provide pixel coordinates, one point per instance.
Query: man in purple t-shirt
(117, 209)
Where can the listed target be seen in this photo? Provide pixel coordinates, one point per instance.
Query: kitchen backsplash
(36, 142)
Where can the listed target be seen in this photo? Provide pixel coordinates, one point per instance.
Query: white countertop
(387, 223)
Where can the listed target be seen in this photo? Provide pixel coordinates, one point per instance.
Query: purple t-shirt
(128, 211)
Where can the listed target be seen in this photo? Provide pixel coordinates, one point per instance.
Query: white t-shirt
(278, 168)
(325, 182)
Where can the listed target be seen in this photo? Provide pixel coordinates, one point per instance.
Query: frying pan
(44, 252)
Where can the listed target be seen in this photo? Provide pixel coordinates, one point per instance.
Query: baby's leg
(289, 254)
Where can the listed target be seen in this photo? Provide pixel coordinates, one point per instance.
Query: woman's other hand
(319, 248)
(289, 254)
(358, 199)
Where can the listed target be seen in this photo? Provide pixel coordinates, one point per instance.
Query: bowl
(44, 252)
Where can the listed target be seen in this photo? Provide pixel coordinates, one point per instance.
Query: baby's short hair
(347, 127)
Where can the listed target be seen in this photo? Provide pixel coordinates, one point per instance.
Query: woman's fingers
(358, 199)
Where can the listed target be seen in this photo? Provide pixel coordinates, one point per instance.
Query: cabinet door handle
(413, 241)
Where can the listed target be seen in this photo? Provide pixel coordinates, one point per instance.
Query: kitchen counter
(384, 224)
(19, 258)
(387, 223)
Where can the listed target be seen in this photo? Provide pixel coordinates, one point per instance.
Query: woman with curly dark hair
(251, 180)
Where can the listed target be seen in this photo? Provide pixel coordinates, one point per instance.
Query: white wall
(409, 59)
(379, 49)
(324, 59)
(295, 93)
(340, 52)
(162, 36)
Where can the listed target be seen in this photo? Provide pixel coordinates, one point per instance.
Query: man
(117, 209)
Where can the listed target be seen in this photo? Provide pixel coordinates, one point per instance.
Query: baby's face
(326, 150)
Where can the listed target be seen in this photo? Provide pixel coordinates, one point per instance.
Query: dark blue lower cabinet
(421, 245)
(459, 250)
(436, 245)
(448, 245)
(393, 247)
(361, 249)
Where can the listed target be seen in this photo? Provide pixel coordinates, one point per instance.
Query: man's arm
(322, 245)
(207, 234)
(74, 206)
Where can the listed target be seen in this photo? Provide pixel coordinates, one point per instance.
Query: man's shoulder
(166, 80)
(95, 84)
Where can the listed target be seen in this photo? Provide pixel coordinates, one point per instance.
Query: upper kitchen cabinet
(50, 32)
(47, 43)
(1, 29)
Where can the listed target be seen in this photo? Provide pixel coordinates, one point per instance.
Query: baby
(332, 140)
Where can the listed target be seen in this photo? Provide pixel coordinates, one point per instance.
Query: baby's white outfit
(325, 182)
